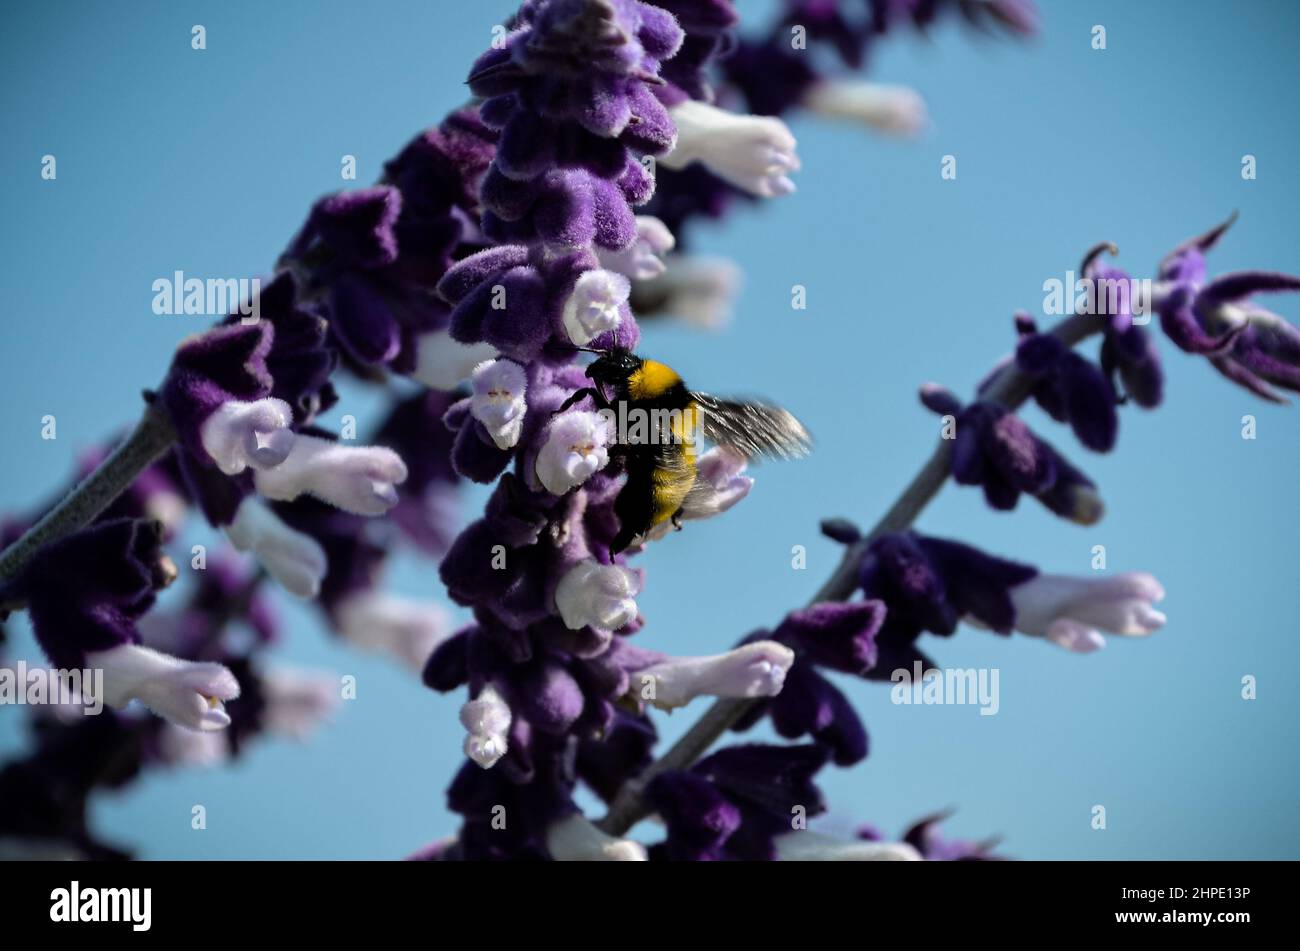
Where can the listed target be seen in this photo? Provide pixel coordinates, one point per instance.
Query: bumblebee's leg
(634, 507)
(577, 396)
(677, 520)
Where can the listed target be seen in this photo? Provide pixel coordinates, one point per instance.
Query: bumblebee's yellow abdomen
(650, 380)
(670, 488)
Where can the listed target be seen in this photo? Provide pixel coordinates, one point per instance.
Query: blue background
(170, 158)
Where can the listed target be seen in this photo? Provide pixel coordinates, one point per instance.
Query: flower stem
(152, 436)
(1010, 389)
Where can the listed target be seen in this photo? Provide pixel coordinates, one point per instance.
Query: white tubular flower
(701, 291)
(643, 258)
(596, 595)
(442, 363)
(238, 435)
(574, 450)
(357, 479)
(498, 400)
(755, 153)
(754, 670)
(806, 846)
(183, 692)
(575, 839)
(292, 558)
(406, 629)
(486, 719)
(596, 305)
(297, 701)
(897, 110)
(181, 747)
(1072, 612)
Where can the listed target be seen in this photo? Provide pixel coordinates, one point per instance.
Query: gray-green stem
(153, 435)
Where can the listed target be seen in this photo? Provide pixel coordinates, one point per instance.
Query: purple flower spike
(571, 96)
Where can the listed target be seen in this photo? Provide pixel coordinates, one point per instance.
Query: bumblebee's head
(613, 366)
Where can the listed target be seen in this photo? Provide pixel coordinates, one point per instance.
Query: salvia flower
(931, 584)
(85, 594)
(643, 258)
(1071, 389)
(406, 629)
(1245, 342)
(498, 400)
(995, 449)
(596, 595)
(1072, 612)
(238, 435)
(757, 669)
(896, 110)
(87, 591)
(358, 479)
(226, 365)
(292, 558)
(736, 803)
(186, 693)
(443, 363)
(487, 721)
(753, 153)
(519, 300)
(595, 306)
(574, 448)
(831, 635)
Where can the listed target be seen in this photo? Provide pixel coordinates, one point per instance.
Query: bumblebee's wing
(755, 429)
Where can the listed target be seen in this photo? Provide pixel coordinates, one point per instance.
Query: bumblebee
(660, 462)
